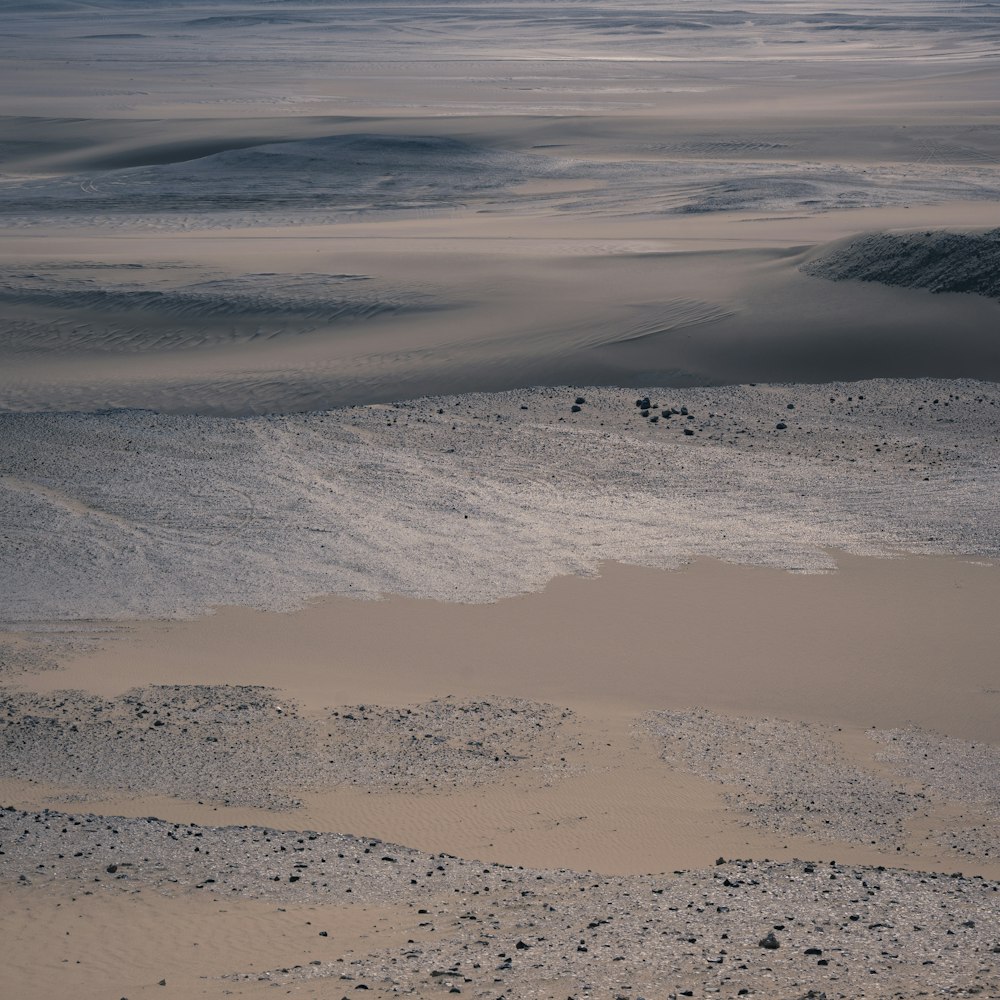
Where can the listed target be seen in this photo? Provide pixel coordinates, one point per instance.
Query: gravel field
(788, 777)
(967, 774)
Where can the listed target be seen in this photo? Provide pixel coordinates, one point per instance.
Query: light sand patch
(64, 940)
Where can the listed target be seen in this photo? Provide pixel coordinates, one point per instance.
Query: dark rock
(574, 409)
(781, 425)
(580, 400)
(769, 941)
(111, 869)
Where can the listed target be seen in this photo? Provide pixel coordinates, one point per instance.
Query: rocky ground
(795, 778)
(965, 774)
(795, 930)
(448, 743)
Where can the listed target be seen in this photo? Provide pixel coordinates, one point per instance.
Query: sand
(361, 635)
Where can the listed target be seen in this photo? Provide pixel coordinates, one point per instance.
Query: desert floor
(499, 499)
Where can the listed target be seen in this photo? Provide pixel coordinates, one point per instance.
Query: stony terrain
(476, 497)
(789, 777)
(792, 930)
(246, 746)
(935, 260)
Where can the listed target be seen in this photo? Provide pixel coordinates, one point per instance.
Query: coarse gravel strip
(755, 928)
(447, 743)
(129, 514)
(965, 773)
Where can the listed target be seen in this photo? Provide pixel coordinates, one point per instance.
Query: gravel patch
(247, 746)
(473, 498)
(231, 745)
(787, 777)
(447, 743)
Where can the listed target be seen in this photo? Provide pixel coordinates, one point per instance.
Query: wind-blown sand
(363, 636)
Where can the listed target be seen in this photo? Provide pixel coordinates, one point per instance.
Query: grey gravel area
(246, 746)
(793, 929)
(788, 777)
(935, 260)
(472, 498)
(447, 743)
(963, 773)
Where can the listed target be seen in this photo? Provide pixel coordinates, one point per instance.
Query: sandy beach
(500, 500)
